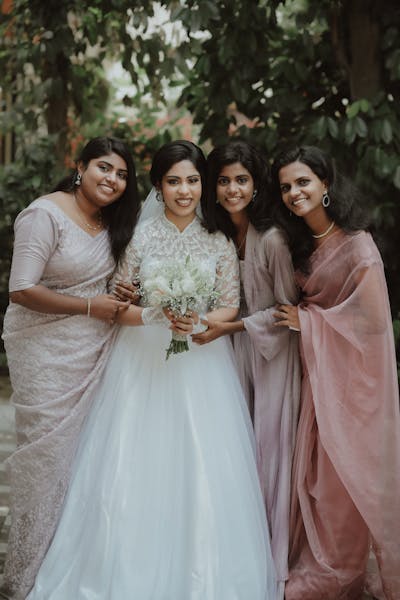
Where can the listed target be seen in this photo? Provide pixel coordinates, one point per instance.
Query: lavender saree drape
(269, 368)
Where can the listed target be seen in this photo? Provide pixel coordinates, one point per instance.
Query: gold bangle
(88, 306)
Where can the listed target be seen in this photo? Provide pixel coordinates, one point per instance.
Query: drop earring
(159, 196)
(325, 200)
(78, 179)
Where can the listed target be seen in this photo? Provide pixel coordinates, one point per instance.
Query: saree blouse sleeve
(36, 237)
(260, 325)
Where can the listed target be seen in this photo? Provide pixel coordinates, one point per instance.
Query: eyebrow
(186, 176)
(112, 166)
(240, 175)
(297, 179)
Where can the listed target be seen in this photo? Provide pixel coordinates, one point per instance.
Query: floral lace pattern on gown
(158, 240)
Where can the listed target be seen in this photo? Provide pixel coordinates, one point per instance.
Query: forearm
(41, 299)
(231, 327)
(223, 314)
(131, 316)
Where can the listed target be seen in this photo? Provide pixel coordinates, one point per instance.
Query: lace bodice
(157, 241)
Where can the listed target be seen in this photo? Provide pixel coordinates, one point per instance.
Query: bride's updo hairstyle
(258, 211)
(174, 152)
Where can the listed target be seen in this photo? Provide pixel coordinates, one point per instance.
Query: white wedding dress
(164, 501)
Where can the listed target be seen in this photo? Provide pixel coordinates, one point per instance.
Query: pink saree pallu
(346, 476)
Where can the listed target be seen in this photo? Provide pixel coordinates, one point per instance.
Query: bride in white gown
(164, 501)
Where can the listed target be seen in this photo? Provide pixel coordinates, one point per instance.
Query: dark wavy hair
(120, 217)
(174, 152)
(258, 211)
(345, 208)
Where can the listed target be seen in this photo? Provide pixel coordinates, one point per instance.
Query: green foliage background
(323, 72)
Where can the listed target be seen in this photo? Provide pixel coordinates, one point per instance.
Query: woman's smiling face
(181, 189)
(104, 179)
(301, 189)
(235, 187)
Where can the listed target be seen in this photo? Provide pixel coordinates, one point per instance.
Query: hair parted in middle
(258, 211)
(174, 152)
(345, 209)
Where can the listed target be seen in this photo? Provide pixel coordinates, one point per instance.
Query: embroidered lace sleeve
(128, 267)
(227, 282)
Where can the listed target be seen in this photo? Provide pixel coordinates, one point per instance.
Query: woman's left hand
(127, 291)
(288, 316)
(214, 330)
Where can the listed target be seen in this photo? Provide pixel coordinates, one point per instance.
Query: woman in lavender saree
(346, 479)
(66, 247)
(267, 358)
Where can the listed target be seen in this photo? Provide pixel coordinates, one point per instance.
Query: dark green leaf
(387, 133)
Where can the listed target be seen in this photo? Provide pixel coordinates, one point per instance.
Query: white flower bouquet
(179, 286)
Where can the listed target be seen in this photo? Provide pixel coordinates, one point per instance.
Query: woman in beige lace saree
(66, 247)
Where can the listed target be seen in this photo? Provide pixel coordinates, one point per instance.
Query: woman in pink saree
(346, 475)
(57, 334)
(267, 358)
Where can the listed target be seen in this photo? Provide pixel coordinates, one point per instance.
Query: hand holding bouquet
(180, 286)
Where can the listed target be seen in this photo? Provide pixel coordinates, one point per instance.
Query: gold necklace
(321, 235)
(240, 246)
(89, 225)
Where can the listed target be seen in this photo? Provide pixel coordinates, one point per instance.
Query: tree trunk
(58, 102)
(364, 62)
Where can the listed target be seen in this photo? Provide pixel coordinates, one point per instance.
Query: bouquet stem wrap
(177, 345)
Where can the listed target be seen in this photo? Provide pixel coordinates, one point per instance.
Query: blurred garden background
(323, 72)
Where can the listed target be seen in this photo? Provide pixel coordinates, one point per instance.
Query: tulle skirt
(164, 501)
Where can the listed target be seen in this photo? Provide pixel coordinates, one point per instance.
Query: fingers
(183, 327)
(287, 316)
(184, 320)
(119, 306)
(126, 292)
(122, 304)
(200, 338)
(170, 315)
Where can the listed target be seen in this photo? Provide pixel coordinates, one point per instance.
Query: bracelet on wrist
(89, 300)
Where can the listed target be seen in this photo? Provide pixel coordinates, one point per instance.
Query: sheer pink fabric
(55, 361)
(269, 367)
(346, 477)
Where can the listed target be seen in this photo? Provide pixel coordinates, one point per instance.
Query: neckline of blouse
(58, 208)
(176, 229)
